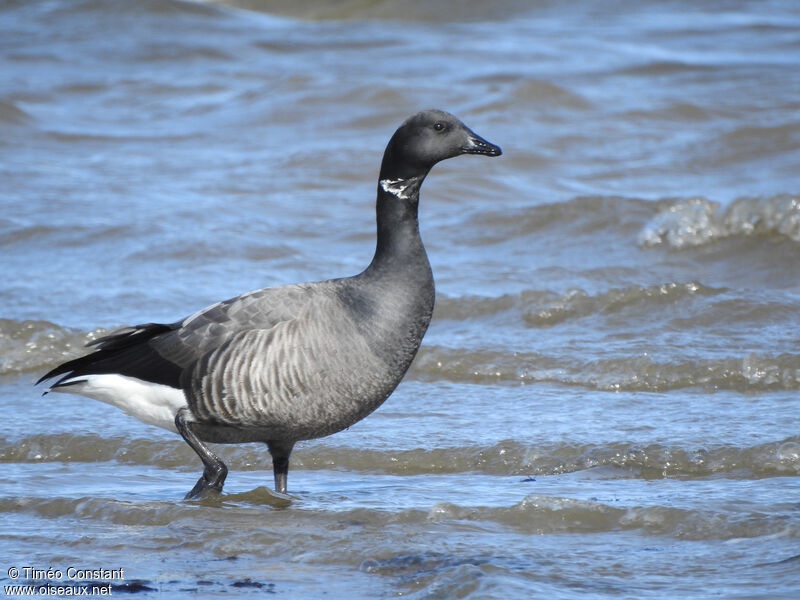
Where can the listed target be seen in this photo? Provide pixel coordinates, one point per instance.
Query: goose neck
(398, 238)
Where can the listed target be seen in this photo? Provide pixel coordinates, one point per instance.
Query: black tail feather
(111, 356)
(128, 336)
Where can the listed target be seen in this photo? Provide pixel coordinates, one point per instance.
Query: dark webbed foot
(212, 480)
(215, 470)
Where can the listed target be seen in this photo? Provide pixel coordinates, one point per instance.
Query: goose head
(427, 138)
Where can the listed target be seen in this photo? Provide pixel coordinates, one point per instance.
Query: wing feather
(160, 353)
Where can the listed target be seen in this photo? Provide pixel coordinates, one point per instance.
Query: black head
(427, 138)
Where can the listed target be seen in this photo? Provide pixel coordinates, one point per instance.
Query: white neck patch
(402, 188)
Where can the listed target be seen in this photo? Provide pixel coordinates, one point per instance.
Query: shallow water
(605, 405)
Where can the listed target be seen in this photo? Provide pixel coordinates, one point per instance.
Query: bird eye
(438, 126)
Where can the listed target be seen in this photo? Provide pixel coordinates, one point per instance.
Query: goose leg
(280, 452)
(215, 471)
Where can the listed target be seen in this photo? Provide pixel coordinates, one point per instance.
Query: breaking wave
(30, 345)
(697, 222)
(544, 307)
(508, 457)
(547, 514)
(534, 514)
(752, 372)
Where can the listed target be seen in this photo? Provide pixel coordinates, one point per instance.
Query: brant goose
(292, 362)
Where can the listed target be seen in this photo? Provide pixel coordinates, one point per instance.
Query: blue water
(605, 405)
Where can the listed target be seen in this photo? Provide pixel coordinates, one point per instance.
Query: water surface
(605, 405)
